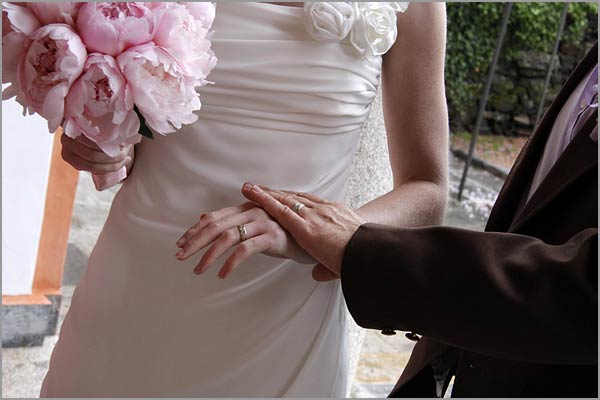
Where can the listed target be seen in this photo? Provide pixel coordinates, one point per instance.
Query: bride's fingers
(87, 142)
(210, 232)
(212, 217)
(321, 273)
(227, 240)
(84, 165)
(243, 251)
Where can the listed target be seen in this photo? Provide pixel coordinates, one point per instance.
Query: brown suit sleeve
(499, 294)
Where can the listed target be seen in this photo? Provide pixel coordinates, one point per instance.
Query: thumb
(321, 273)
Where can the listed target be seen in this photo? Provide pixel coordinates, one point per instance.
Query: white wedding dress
(285, 111)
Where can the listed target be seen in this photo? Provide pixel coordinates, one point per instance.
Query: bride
(293, 87)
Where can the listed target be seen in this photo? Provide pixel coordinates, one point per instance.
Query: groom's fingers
(287, 218)
(309, 196)
(289, 198)
(321, 273)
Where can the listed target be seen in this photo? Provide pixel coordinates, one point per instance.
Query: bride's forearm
(414, 203)
(416, 121)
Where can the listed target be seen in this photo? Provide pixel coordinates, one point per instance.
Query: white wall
(26, 152)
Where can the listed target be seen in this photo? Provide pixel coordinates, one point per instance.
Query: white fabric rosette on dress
(368, 26)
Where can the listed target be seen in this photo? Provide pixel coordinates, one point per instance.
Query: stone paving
(382, 358)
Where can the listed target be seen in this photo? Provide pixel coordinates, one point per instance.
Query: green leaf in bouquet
(144, 130)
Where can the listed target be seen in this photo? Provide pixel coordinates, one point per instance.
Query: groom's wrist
(365, 257)
(380, 277)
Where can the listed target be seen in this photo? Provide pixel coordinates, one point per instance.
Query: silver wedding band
(297, 207)
(243, 233)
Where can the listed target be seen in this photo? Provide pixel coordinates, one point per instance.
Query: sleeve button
(388, 332)
(412, 336)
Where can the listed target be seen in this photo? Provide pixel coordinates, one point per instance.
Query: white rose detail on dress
(328, 22)
(375, 31)
(370, 27)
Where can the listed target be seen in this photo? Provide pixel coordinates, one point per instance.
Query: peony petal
(71, 128)
(54, 106)
(102, 38)
(55, 12)
(14, 46)
(204, 12)
(133, 23)
(22, 20)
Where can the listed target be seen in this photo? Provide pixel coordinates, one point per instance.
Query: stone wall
(518, 85)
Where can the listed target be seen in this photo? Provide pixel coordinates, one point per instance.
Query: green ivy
(472, 32)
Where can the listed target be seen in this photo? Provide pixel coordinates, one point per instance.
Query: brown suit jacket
(514, 308)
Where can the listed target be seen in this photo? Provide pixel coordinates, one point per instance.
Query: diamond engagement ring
(297, 207)
(242, 232)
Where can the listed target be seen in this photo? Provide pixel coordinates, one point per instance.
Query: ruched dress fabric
(285, 111)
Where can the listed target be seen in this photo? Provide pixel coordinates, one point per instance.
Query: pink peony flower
(53, 61)
(185, 38)
(203, 11)
(61, 12)
(100, 106)
(162, 91)
(17, 24)
(111, 28)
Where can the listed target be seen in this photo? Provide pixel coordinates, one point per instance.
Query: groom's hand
(321, 227)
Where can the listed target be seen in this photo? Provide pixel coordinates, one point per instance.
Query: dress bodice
(284, 110)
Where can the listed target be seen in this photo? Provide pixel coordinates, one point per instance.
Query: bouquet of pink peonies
(109, 71)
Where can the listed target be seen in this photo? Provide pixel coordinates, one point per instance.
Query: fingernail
(256, 189)
(127, 160)
(180, 242)
(179, 254)
(198, 269)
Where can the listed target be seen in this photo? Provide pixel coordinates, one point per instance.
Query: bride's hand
(85, 155)
(220, 230)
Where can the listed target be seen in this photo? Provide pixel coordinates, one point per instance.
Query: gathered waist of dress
(304, 94)
(271, 74)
